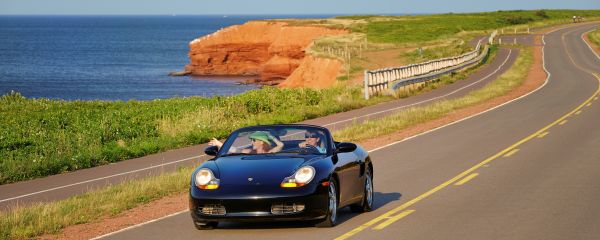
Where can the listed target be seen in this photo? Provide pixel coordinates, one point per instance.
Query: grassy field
(438, 36)
(40, 137)
(417, 29)
(29, 222)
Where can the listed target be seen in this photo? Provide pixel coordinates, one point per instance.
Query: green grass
(595, 37)
(417, 29)
(410, 117)
(47, 218)
(32, 221)
(41, 137)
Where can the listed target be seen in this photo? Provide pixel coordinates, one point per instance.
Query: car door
(349, 174)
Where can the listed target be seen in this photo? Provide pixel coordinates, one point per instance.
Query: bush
(515, 20)
(542, 14)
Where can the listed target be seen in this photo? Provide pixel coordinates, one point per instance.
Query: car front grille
(285, 208)
(212, 209)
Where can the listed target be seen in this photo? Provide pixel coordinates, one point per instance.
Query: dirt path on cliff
(179, 202)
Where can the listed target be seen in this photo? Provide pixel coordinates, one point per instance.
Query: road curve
(526, 170)
(62, 186)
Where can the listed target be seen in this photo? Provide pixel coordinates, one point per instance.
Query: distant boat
(224, 16)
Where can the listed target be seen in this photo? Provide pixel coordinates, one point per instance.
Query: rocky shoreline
(272, 51)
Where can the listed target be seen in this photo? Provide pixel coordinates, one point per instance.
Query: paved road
(526, 170)
(64, 185)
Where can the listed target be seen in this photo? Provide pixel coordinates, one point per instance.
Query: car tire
(332, 207)
(366, 205)
(206, 225)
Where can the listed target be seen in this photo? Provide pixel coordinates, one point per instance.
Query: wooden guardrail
(380, 80)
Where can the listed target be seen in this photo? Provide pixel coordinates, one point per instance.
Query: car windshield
(277, 139)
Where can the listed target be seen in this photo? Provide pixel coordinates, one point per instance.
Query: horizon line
(278, 14)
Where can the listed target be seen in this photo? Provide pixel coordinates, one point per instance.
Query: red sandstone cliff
(271, 50)
(314, 73)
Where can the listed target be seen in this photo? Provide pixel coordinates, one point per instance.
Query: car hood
(262, 169)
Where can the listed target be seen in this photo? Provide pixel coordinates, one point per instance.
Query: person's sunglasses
(308, 135)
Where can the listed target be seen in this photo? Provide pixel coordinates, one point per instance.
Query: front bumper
(258, 207)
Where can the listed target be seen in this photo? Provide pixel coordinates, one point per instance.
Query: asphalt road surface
(529, 169)
(65, 185)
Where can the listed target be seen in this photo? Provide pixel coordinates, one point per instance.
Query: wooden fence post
(366, 79)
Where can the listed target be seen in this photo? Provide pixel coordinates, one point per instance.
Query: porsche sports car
(280, 173)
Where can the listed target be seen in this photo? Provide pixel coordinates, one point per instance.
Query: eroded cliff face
(270, 50)
(314, 73)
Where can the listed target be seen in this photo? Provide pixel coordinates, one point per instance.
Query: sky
(251, 7)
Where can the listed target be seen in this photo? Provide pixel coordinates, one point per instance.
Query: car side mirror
(211, 151)
(345, 147)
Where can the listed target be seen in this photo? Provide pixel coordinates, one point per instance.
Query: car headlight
(205, 179)
(302, 177)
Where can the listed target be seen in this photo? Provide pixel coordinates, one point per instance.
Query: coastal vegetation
(41, 137)
(48, 218)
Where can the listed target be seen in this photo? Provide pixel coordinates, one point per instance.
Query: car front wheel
(332, 207)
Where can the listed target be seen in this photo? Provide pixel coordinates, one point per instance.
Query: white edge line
(140, 224)
(185, 159)
(388, 145)
(428, 100)
(586, 43)
(96, 179)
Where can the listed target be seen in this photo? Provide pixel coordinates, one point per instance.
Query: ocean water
(109, 57)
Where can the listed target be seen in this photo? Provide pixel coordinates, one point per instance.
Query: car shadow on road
(344, 214)
(381, 199)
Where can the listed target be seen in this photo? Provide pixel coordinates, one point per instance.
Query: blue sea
(109, 57)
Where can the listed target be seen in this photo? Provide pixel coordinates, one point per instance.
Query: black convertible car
(280, 172)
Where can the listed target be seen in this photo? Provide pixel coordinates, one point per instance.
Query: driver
(312, 139)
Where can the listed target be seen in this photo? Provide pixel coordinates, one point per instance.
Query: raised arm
(215, 142)
(219, 144)
(278, 144)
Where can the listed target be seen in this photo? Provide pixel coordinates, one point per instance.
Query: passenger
(261, 143)
(312, 138)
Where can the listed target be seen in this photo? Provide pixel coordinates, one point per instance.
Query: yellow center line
(543, 134)
(511, 153)
(393, 219)
(578, 112)
(563, 122)
(387, 214)
(466, 179)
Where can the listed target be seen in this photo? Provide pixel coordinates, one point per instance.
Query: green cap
(260, 135)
